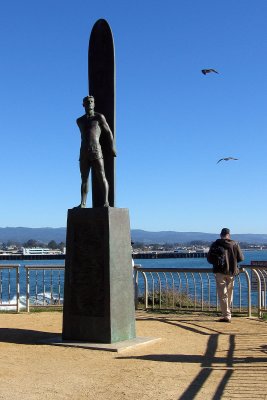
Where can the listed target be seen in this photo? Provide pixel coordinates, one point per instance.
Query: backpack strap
(227, 261)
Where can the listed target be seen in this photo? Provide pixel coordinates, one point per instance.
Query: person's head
(89, 103)
(225, 233)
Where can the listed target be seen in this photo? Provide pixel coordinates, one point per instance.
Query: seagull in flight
(208, 71)
(227, 159)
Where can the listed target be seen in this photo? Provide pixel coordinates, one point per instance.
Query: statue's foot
(106, 204)
(80, 206)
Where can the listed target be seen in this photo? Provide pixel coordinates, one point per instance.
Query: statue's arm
(106, 129)
(79, 123)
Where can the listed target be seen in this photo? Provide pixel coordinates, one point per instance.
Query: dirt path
(197, 358)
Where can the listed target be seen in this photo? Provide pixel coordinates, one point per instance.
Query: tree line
(52, 244)
(193, 243)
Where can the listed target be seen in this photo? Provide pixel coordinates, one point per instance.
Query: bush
(168, 298)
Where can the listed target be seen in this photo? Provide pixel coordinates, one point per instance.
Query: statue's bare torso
(90, 128)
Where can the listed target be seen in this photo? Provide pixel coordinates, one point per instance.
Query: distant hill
(139, 235)
(44, 235)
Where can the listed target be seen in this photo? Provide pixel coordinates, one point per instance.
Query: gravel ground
(197, 358)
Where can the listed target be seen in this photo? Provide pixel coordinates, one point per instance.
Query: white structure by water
(39, 251)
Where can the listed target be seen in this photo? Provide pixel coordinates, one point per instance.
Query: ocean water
(47, 287)
(250, 255)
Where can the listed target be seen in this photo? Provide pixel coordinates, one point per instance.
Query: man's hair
(85, 99)
(225, 231)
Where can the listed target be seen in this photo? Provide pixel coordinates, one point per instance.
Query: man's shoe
(224, 320)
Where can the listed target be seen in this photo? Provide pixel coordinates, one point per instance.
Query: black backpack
(217, 256)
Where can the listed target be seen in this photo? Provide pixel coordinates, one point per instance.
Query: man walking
(224, 254)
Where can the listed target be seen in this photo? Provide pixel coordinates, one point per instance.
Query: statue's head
(89, 102)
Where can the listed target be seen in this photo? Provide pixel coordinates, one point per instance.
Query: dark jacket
(233, 255)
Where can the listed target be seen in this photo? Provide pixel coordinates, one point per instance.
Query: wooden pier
(169, 254)
(32, 257)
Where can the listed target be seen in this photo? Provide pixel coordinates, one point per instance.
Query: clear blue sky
(173, 123)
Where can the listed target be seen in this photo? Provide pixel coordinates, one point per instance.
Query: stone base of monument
(118, 347)
(98, 292)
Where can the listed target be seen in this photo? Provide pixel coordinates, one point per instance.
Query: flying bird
(208, 71)
(227, 159)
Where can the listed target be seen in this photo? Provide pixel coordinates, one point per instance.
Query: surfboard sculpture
(101, 75)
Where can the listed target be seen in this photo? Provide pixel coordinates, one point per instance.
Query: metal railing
(191, 289)
(9, 287)
(258, 277)
(46, 286)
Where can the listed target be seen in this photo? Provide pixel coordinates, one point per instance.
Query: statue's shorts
(88, 160)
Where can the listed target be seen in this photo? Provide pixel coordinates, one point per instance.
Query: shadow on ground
(24, 336)
(240, 372)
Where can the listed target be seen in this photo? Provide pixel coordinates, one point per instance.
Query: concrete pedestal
(98, 293)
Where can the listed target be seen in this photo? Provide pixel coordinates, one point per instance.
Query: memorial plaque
(88, 273)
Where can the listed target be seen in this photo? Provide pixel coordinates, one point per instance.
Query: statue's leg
(84, 191)
(98, 166)
(85, 169)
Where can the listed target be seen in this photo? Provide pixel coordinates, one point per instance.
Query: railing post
(27, 289)
(202, 292)
(259, 291)
(135, 282)
(18, 287)
(248, 289)
(146, 289)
